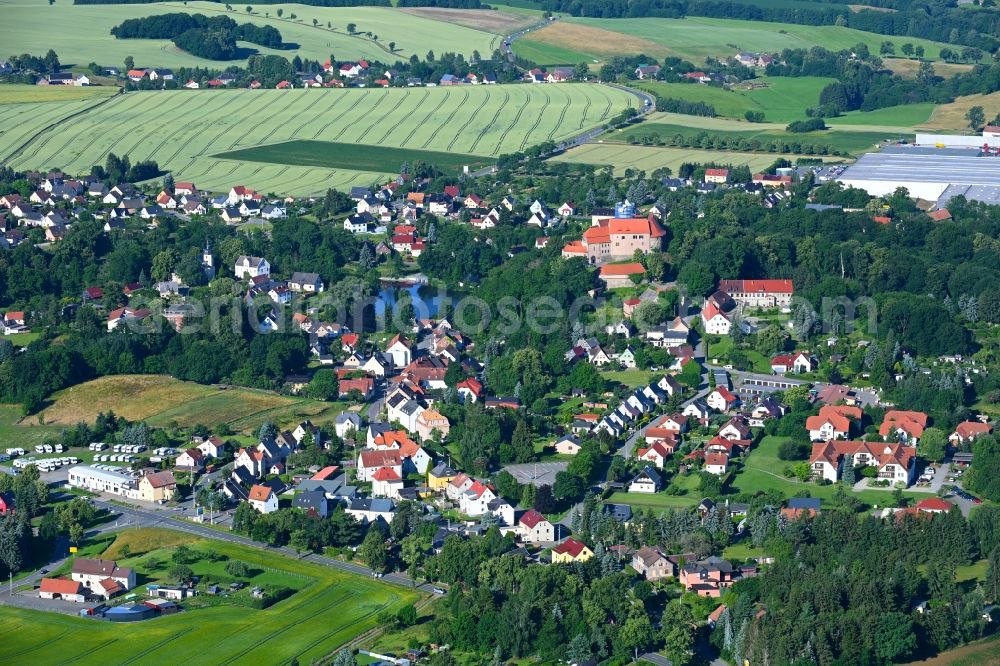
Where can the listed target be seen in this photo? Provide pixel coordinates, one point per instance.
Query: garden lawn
(653, 501)
(185, 130)
(328, 609)
(631, 378)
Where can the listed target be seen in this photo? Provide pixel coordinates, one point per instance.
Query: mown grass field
(17, 93)
(852, 142)
(352, 156)
(695, 38)
(80, 34)
(647, 159)
(654, 501)
(183, 129)
(329, 609)
(163, 401)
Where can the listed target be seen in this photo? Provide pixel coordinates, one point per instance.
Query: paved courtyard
(537, 474)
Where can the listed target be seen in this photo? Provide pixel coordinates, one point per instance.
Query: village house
(157, 486)
(832, 422)
(722, 399)
(652, 563)
(372, 460)
(798, 363)
(708, 577)
(192, 460)
(263, 498)
(567, 445)
(93, 572)
(570, 551)
(967, 432)
(718, 176)
(646, 481)
(251, 267)
(903, 426)
(533, 527)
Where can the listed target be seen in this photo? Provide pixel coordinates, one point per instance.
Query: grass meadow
(695, 38)
(17, 93)
(622, 157)
(163, 401)
(327, 609)
(852, 142)
(81, 33)
(182, 130)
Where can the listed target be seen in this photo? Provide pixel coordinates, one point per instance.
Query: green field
(328, 609)
(647, 159)
(852, 142)
(352, 156)
(80, 33)
(17, 93)
(695, 38)
(654, 501)
(782, 100)
(183, 129)
(908, 115)
(163, 401)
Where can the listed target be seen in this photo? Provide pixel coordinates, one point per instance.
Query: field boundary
(30, 140)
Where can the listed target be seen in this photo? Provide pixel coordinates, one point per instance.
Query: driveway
(537, 474)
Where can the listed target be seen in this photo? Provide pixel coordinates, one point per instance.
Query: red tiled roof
(531, 518)
(324, 473)
(259, 493)
(570, 547)
(385, 474)
(912, 423)
(934, 504)
(719, 459)
(756, 286)
(61, 586)
(632, 268)
(380, 458)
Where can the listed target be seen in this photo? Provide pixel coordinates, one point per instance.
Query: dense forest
(207, 37)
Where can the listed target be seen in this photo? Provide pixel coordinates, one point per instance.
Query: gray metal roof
(919, 167)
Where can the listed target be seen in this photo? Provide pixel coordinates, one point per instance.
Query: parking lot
(537, 474)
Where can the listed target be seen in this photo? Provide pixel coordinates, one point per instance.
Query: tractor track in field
(378, 121)
(169, 136)
(458, 134)
(503, 137)
(190, 141)
(319, 98)
(444, 98)
(586, 110)
(500, 108)
(347, 124)
(339, 97)
(27, 142)
(446, 121)
(423, 99)
(538, 120)
(69, 138)
(607, 109)
(562, 116)
(265, 118)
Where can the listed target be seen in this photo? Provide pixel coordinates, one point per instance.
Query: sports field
(80, 33)
(183, 129)
(160, 401)
(648, 159)
(329, 608)
(693, 38)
